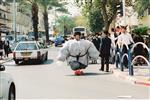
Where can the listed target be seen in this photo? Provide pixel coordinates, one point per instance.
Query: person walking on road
(105, 51)
(1, 49)
(77, 52)
(6, 47)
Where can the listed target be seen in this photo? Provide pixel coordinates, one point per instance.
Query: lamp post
(14, 19)
(124, 14)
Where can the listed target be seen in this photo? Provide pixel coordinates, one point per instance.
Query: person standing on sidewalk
(1, 49)
(125, 37)
(105, 51)
(96, 41)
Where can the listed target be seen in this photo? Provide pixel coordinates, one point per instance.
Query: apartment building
(23, 19)
(4, 17)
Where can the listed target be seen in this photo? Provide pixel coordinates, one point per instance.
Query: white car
(30, 50)
(7, 86)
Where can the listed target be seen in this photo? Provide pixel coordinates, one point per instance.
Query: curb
(130, 78)
(5, 60)
(142, 83)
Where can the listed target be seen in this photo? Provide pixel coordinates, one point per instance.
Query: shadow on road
(49, 61)
(92, 74)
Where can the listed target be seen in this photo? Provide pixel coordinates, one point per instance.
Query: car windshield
(26, 46)
(79, 29)
(21, 38)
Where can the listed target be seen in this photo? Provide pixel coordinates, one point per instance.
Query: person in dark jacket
(105, 51)
(1, 49)
(6, 48)
(96, 41)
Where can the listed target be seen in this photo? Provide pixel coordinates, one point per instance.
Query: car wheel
(16, 62)
(12, 93)
(40, 61)
(46, 56)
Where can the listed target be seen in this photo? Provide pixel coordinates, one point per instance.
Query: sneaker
(101, 70)
(107, 70)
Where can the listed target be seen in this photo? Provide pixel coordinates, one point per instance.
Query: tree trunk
(45, 15)
(0, 36)
(108, 18)
(35, 20)
(105, 16)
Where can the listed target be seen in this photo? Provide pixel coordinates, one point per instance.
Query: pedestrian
(125, 38)
(113, 38)
(125, 42)
(6, 47)
(138, 50)
(105, 51)
(96, 41)
(77, 52)
(83, 36)
(117, 32)
(1, 49)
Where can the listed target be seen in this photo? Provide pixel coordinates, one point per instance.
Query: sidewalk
(6, 59)
(141, 74)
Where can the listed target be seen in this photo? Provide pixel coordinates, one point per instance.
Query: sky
(72, 8)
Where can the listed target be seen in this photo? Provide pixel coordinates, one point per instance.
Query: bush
(141, 30)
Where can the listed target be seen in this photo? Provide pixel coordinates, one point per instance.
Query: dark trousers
(105, 60)
(6, 49)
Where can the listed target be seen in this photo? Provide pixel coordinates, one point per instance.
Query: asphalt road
(53, 80)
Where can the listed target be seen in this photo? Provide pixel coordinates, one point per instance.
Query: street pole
(14, 19)
(124, 15)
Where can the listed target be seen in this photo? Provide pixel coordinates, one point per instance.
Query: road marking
(125, 97)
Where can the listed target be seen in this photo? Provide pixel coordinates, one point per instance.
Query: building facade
(23, 21)
(4, 17)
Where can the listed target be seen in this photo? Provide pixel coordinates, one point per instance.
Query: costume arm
(63, 53)
(92, 51)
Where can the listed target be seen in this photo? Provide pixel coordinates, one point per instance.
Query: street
(53, 80)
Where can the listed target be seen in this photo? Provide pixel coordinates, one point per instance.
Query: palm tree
(66, 24)
(47, 5)
(141, 6)
(35, 10)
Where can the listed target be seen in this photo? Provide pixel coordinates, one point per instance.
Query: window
(79, 29)
(27, 46)
(4, 16)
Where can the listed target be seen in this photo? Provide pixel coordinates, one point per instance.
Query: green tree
(140, 30)
(65, 24)
(96, 22)
(108, 8)
(81, 21)
(141, 6)
(47, 5)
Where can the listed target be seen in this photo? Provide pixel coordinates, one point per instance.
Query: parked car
(59, 40)
(52, 38)
(30, 50)
(7, 85)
